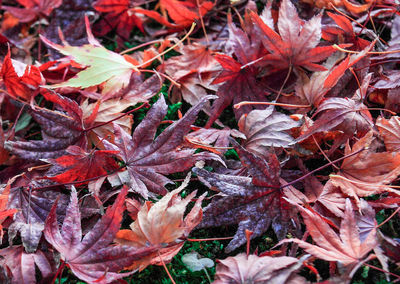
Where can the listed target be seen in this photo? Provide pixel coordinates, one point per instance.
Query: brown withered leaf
(350, 247)
(390, 132)
(204, 138)
(313, 90)
(195, 58)
(266, 128)
(347, 115)
(255, 203)
(251, 268)
(106, 111)
(162, 224)
(367, 172)
(148, 160)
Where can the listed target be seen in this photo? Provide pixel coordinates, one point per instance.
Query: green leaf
(23, 122)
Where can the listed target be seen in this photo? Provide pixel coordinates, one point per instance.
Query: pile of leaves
(128, 127)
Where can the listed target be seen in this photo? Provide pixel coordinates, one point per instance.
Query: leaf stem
(59, 272)
(335, 46)
(169, 49)
(390, 217)
(239, 105)
(166, 269)
(118, 117)
(140, 46)
(323, 167)
(381, 270)
(285, 81)
(210, 239)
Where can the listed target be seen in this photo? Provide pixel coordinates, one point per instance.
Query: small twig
(390, 217)
(166, 269)
(239, 105)
(210, 239)
(323, 167)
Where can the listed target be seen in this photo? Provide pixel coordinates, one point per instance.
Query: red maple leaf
(80, 165)
(184, 13)
(344, 32)
(23, 86)
(117, 17)
(350, 246)
(33, 9)
(92, 258)
(296, 44)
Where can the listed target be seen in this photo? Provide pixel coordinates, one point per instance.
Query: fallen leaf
(80, 165)
(148, 160)
(162, 224)
(21, 85)
(348, 247)
(195, 262)
(104, 66)
(251, 268)
(93, 259)
(254, 203)
(367, 172)
(266, 128)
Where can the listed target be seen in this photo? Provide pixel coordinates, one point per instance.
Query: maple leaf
(80, 165)
(184, 13)
(350, 247)
(104, 66)
(195, 262)
(296, 43)
(92, 258)
(390, 132)
(194, 70)
(243, 81)
(105, 111)
(59, 130)
(236, 75)
(251, 268)
(22, 264)
(391, 247)
(367, 172)
(345, 32)
(33, 208)
(4, 211)
(33, 9)
(344, 114)
(204, 137)
(20, 85)
(117, 17)
(312, 90)
(163, 224)
(148, 160)
(194, 58)
(351, 7)
(266, 128)
(255, 203)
